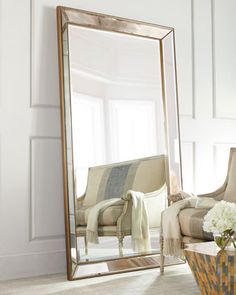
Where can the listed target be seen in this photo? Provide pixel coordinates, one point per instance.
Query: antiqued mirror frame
(70, 16)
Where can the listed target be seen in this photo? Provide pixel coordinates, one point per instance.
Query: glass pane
(69, 155)
(117, 116)
(171, 102)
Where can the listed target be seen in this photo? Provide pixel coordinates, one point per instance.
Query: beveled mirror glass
(120, 136)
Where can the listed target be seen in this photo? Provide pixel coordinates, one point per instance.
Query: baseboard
(32, 264)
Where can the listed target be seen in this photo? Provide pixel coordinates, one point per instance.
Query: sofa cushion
(108, 216)
(191, 221)
(191, 240)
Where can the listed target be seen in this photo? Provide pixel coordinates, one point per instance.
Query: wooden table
(213, 269)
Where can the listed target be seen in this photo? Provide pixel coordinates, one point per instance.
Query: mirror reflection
(119, 143)
(120, 139)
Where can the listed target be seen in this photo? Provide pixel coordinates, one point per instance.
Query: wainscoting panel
(46, 206)
(188, 165)
(213, 93)
(224, 48)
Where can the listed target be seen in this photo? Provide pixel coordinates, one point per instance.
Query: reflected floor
(121, 265)
(108, 247)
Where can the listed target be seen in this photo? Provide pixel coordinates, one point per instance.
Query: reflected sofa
(147, 175)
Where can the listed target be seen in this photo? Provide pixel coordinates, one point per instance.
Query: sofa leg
(86, 245)
(162, 262)
(120, 239)
(162, 257)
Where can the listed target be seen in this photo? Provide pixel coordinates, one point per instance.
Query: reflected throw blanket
(92, 225)
(140, 226)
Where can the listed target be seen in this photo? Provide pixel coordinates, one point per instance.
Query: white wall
(31, 199)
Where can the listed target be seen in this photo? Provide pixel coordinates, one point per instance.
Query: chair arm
(155, 202)
(217, 195)
(125, 219)
(175, 198)
(181, 195)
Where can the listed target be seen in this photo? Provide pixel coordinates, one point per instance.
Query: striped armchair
(113, 181)
(191, 219)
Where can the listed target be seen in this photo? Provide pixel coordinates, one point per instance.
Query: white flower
(220, 218)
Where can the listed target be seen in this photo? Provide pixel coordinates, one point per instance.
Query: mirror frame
(69, 16)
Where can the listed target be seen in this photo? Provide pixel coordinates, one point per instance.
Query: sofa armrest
(175, 198)
(181, 195)
(155, 202)
(217, 195)
(125, 220)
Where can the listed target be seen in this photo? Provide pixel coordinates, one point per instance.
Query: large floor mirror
(120, 136)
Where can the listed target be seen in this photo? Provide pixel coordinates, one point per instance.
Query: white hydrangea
(220, 218)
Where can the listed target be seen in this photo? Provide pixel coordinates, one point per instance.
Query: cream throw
(171, 229)
(92, 225)
(205, 202)
(140, 225)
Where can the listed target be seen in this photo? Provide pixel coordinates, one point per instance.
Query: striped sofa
(113, 181)
(191, 219)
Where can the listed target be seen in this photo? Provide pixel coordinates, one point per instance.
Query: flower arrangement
(221, 221)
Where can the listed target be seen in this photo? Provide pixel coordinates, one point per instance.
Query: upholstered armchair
(191, 219)
(147, 175)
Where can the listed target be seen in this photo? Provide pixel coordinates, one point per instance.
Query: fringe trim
(173, 247)
(92, 236)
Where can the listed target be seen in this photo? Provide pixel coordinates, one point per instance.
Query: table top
(208, 248)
